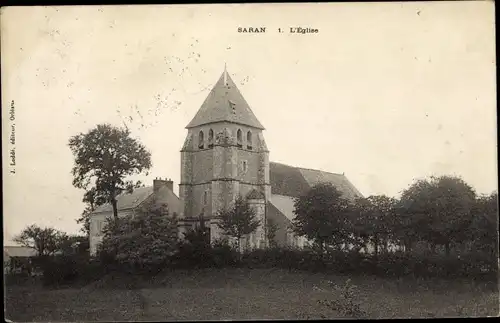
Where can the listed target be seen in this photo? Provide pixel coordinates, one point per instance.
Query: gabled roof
(294, 181)
(127, 200)
(225, 103)
(18, 251)
(166, 196)
(255, 195)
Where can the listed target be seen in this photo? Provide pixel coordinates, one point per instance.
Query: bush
(194, 251)
(396, 264)
(286, 258)
(68, 269)
(143, 243)
(261, 258)
(224, 255)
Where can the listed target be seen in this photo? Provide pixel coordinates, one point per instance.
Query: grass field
(247, 294)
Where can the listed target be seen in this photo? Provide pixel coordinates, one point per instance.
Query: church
(224, 156)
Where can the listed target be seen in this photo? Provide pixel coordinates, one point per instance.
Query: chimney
(170, 184)
(158, 183)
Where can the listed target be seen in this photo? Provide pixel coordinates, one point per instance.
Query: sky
(386, 93)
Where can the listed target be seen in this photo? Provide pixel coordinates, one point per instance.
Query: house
(224, 156)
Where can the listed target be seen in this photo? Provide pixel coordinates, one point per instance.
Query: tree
(373, 220)
(143, 241)
(238, 220)
(271, 230)
(321, 216)
(483, 230)
(438, 210)
(74, 244)
(92, 200)
(199, 237)
(104, 157)
(195, 248)
(84, 220)
(46, 241)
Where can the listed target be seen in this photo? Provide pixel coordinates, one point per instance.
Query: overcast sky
(386, 93)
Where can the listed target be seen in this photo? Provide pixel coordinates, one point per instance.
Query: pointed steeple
(225, 103)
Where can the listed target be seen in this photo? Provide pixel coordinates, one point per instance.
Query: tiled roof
(18, 251)
(128, 200)
(225, 103)
(294, 181)
(314, 177)
(284, 204)
(286, 180)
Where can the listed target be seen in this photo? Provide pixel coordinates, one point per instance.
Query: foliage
(68, 269)
(74, 244)
(390, 264)
(195, 249)
(92, 199)
(285, 258)
(238, 220)
(322, 216)
(84, 220)
(224, 255)
(373, 220)
(438, 210)
(199, 237)
(142, 242)
(484, 227)
(271, 229)
(104, 157)
(46, 241)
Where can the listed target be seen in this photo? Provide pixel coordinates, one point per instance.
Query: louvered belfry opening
(210, 138)
(239, 139)
(249, 140)
(201, 140)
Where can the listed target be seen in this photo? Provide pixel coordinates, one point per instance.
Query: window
(244, 166)
(205, 198)
(239, 140)
(201, 143)
(233, 106)
(210, 138)
(99, 227)
(249, 140)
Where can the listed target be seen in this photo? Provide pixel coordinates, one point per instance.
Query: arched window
(210, 138)
(239, 140)
(249, 140)
(201, 142)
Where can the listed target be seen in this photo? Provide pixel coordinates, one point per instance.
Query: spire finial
(225, 74)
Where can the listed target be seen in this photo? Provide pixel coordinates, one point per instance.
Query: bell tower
(224, 155)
